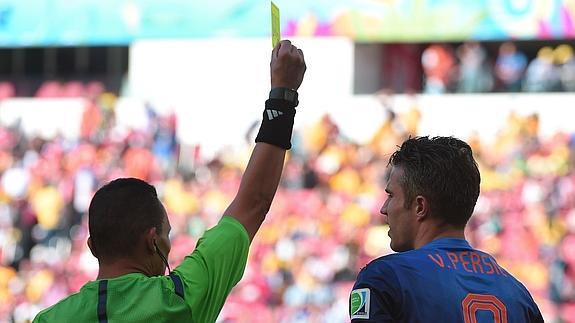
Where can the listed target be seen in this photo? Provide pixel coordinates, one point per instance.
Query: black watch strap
(283, 93)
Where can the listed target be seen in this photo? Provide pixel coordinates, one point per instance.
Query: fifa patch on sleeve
(359, 303)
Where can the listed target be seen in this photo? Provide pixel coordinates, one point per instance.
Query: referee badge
(359, 303)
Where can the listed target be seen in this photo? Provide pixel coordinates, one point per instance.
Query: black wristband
(277, 123)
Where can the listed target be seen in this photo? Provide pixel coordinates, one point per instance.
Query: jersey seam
(173, 294)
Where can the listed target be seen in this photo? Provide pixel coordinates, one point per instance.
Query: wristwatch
(283, 93)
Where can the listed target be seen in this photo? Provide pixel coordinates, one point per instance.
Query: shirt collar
(447, 242)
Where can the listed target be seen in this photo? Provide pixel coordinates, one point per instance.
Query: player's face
(402, 221)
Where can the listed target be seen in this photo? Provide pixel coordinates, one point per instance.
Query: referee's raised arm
(219, 260)
(261, 177)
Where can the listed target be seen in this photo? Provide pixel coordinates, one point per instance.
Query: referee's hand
(287, 66)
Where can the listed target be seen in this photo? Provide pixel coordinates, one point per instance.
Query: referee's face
(402, 221)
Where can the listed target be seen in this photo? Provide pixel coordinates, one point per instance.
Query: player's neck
(428, 235)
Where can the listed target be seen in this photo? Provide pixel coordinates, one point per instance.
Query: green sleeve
(214, 268)
(37, 319)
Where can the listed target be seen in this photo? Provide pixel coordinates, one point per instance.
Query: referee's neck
(119, 268)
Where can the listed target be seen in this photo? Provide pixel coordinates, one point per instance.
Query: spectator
(510, 67)
(566, 62)
(542, 75)
(475, 74)
(438, 66)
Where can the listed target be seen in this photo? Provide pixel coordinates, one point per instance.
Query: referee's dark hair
(441, 169)
(120, 212)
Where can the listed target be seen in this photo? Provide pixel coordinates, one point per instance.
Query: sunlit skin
(413, 226)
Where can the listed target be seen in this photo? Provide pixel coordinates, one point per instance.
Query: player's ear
(150, 237)
(421, 207)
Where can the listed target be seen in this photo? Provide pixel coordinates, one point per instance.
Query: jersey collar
(447, 242)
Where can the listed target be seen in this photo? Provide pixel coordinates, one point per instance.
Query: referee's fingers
(275, 50)
(302, 58)
(285, 47)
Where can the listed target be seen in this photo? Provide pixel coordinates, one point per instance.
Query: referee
(129, 231)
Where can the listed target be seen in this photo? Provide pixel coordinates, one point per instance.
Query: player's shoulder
(381, 274)
(394, 259)
(386, 264)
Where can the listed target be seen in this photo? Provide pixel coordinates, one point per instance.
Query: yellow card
(275, 25)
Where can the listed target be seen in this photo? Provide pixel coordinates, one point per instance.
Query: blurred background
(172, 91)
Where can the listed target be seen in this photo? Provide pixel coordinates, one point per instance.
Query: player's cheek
(389, 218)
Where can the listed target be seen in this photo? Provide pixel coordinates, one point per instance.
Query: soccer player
(436, 276)
(129, 231)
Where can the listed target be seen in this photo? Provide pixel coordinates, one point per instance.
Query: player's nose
(383, 209)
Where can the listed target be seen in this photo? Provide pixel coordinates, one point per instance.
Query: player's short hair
(120, 212)
(443, 170)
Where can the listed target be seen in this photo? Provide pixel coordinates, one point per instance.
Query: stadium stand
(323, 226)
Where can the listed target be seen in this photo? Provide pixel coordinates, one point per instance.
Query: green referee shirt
(208, 275)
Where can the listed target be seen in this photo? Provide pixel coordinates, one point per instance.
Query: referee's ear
(150, 237)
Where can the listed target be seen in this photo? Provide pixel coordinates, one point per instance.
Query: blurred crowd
(54, 89)
(323, 227)
(469, 68)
